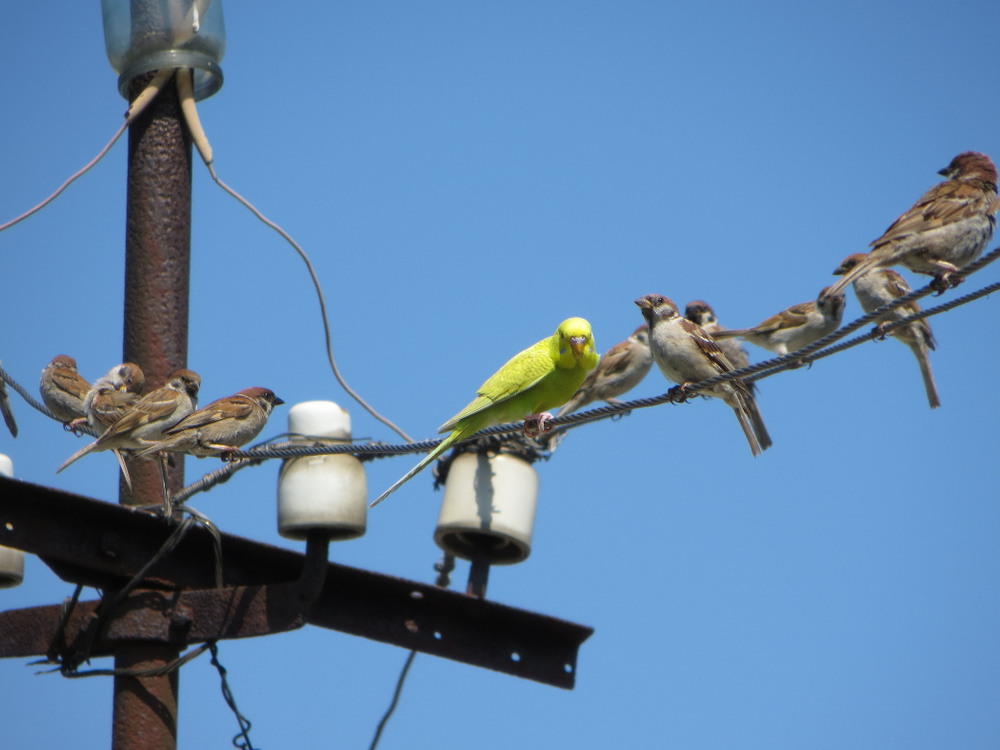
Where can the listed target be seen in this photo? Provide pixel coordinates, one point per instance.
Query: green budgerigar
(540, 378)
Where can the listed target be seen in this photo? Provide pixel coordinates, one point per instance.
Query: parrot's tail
(424, 463)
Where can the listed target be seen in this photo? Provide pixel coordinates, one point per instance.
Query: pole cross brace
(266, 589)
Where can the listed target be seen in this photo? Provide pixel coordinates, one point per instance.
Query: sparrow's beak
(943, 172)
(643, 303)
(278, 401)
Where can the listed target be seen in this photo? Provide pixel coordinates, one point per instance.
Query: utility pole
(262, 590)
(157, 282)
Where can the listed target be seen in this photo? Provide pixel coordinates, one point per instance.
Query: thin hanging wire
(190, 110)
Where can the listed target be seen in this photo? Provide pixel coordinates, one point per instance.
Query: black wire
(230, 699)
(758, 371)
(765, 368)
(395, 700)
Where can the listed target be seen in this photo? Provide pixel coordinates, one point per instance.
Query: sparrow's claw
(678, 394)
(536, 424)
(943, 283)
(76, 426)
(879, 333)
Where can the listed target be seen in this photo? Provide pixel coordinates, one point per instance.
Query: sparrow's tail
(729, 333)
(7, 411)
(757, 422)
(157, 447)
(121, 462)
(919, 349)
(849, 277)
(748, 430)
(577, 402)
(78, 455)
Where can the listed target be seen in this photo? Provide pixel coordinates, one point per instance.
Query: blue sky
(467, 176)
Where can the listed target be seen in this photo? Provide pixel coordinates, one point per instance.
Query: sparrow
(63, 389)
(144, 424)
(7, 410)
(948, 228)
(111, 396)
(221, 427)
(621, 369)
(687, 354)
(880, 286)
(701, 312)
(794, 328)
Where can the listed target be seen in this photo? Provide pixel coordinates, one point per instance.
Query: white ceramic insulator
(328, 493)
(489, 508)
(11, 560)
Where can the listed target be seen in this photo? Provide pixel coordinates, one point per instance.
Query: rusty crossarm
(103, 544)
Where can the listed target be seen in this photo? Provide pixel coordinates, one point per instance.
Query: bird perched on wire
(621, 369)
(541, 377)
(144, 424)
(7, 410)
(794, 328)
(701, 312)
(64, 389)
(111, 396)
(948, 228)
(687, 354)
(879, 287)
(221, 427)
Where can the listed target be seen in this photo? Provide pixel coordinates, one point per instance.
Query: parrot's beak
(578, 344)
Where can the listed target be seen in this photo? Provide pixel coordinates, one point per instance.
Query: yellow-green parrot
(541, 377)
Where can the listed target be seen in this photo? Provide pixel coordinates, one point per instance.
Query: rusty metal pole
(157, 269)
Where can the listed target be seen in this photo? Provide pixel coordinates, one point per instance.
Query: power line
(819, 349)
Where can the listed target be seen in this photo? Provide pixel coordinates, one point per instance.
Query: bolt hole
(416, 595)
(437, 636)
(568, 668)
(514, 656)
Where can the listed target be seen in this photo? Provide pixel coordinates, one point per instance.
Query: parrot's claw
(536, 424)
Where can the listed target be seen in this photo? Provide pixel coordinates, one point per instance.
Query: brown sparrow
(221, 427)
(63, 389)
(620, 370)
(701, 312)
(946, 229)
(687, 354)
(144, 424)
(111, 396)
(879, 287)
(794, 328)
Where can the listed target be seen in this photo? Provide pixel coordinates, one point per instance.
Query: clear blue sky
(465, 177)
